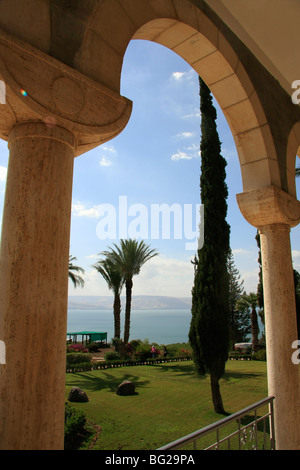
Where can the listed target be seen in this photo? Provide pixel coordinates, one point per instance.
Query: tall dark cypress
(209, 332)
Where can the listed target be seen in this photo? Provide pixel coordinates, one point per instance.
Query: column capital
(268, 206)
(40, 88)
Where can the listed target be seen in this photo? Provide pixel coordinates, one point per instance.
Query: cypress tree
(238, 322)
(209, 332)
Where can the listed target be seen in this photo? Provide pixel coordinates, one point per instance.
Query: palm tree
(115, 282)
(249, 302)
(128, 259)
(75, 278)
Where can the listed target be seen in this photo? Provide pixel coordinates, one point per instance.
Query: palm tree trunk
(216, 395)
(117, 314)
(128, 285)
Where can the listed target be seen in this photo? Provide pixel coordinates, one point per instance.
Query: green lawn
(171, 401)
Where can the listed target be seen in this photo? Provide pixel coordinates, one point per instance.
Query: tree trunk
(117, 313)
(128, 285)
(216, 395)
(255, 329)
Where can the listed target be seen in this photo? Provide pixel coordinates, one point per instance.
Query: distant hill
(143, 302)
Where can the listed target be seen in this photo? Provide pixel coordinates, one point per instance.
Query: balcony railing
(252, 432)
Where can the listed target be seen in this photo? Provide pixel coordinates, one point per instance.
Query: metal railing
(245, 435)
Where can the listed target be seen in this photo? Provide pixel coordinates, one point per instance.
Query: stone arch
(182, 27)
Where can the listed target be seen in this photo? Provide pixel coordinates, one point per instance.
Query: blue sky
(155, 160)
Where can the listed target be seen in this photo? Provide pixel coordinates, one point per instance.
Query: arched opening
(293, 162)
(243, 112)
(155, 161)
(201, 45)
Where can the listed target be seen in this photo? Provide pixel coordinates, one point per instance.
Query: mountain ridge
(139, 302)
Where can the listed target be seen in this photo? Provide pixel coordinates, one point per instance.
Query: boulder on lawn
(126, 388)
(77, 395)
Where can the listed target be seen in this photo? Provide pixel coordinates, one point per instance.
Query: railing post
(272, 427)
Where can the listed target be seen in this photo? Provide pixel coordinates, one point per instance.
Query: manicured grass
(171, 401)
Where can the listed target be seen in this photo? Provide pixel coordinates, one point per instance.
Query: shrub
(185, 353)
(77, 358)
(179, 350)
(134, 343)
(112, 356)
(172, 351)
(117, 343)
(260, 355)
(93, 347)
(75, 421)
(143, 351)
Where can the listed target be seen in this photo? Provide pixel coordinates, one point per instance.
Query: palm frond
(75, 278)
(130, 256)
(111, 274)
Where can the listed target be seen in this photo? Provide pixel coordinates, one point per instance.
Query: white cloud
(190, 152)
(106, 152)
(3, 173)
(194, 148)
(296, 259)
(250, 280)
(240, 251)
(165, 276)
(93, 256)
(178, 75)
(181, 156)
(94, 284)
(185, 135)
(193, 114)
(109, 148)
(105, 162)
(79, 210)
(159, 276)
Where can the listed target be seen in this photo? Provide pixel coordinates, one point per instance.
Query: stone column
(281, 328)
(34, 286)
(274, 212)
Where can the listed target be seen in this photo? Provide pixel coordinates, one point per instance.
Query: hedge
(122, 363)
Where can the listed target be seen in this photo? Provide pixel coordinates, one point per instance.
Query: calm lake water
(160, 326)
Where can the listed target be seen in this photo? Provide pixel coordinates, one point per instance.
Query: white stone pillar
(281, 332)
(274, 212)
(34, 286)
